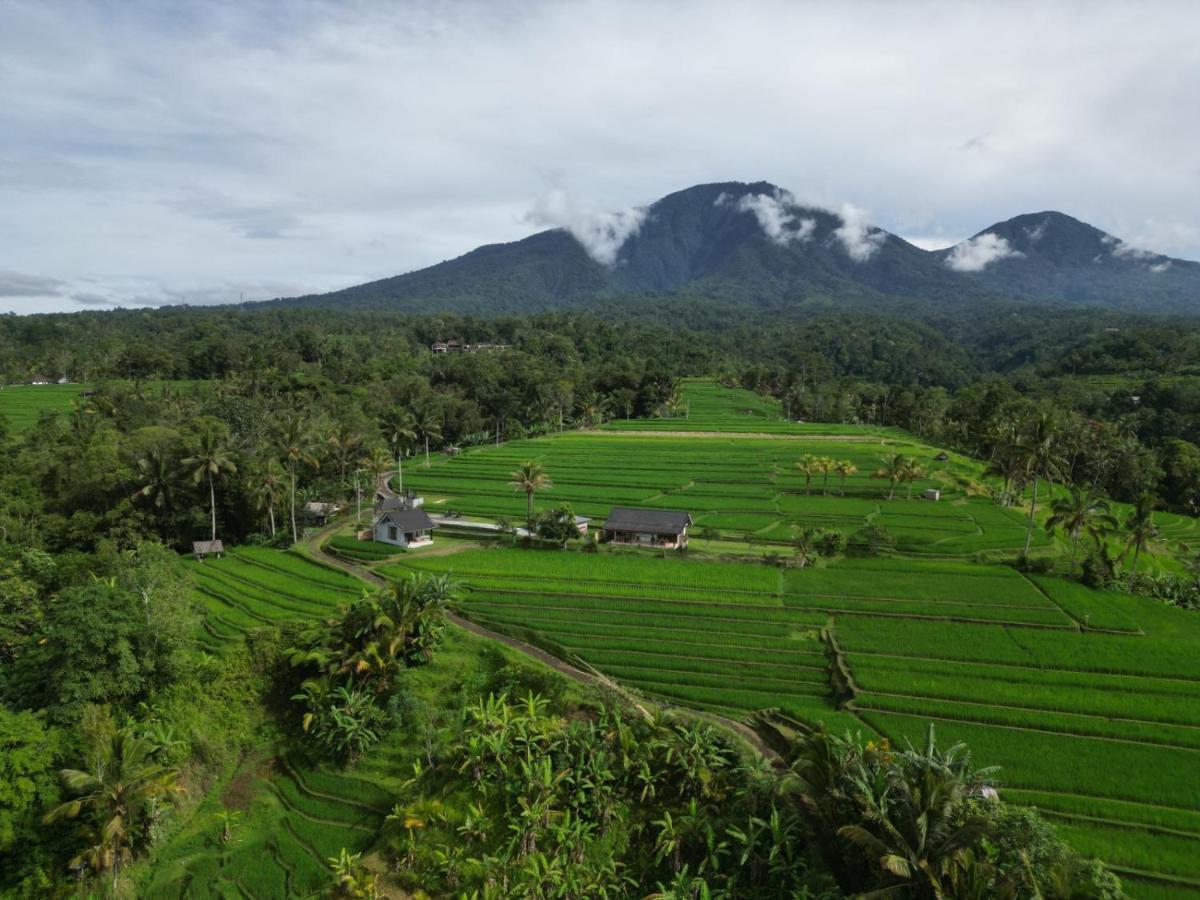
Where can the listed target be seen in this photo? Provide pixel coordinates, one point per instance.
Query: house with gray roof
(409, 527)
(663, 528)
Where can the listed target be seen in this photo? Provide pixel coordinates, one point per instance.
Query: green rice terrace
(1089, 701)
(23, 405)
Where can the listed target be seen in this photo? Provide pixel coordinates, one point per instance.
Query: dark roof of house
(657, 521)
(392, 504)
(408, 519)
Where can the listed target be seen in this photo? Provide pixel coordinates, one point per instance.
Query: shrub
(831, 543)
(871, 540)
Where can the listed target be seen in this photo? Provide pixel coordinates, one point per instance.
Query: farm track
(314, 546)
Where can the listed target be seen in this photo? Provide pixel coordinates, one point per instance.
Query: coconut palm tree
(117, 799)
(345, 443)
(1039, 453)
(1083, 510)
(157, 482)
(428, 427)
(893, 468)
(844, 468)
(826, 467)
(297, 447)
(807, 464)
(530, 478)
(805, 545)
(210, 460)
(913, 471)
(1140, 531)
(399, 430)
(268, 489)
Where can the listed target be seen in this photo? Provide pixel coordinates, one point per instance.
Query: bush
(1098, 568)
(831, 543)
(556, 525)
(1040, 565)
(871, 540)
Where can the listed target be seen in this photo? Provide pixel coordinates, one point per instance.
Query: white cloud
(977, 253)
(1035, 233)
(341, 142)
(600, 233)
(859, 238)
(1160, 267)
(776, 216)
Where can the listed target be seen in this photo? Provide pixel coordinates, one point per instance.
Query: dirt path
(313, 545)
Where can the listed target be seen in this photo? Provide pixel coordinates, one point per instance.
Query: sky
(158, 153)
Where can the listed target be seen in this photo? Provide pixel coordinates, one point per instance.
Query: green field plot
(301, 815)
(252, 586)
(23, 405)
(1088, 701)
(743, 488)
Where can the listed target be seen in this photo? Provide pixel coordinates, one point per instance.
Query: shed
(932, 494)
(581, 525)
(438, 346)
(404, 528)
(942, 457)
(647, 527)
(320, 513)
(201, 549)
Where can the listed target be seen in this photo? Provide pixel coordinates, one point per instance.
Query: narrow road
(313, 544)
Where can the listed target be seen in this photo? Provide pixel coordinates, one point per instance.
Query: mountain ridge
(754, 245)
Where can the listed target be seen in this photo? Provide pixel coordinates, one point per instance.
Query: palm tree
(913, 471)
(1039, 452)
(530, 478)
(825, 466)
(805, 545)
(428, 426)
(845, 468)
(893, 469)
(377, 462)
(117, 798)
(296, 446)
(346, 445)
(807, 464)
(157, 480)
(210, 460)
(1140, 531)
(1083, 510)
(268, 490)
(399, 430)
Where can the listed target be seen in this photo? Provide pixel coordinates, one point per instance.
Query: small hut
(201, 549)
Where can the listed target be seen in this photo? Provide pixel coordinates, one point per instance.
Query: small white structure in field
(933, 494)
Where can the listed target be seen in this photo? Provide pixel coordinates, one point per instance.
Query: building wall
(383, 532)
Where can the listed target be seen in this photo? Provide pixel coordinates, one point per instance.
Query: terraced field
(1089, 701)
(744, 488)
(251, 587)
(299, 818)
(22, 405)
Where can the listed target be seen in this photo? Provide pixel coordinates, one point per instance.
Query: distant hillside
(752, 247)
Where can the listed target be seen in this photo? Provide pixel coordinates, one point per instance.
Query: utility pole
(358, 494)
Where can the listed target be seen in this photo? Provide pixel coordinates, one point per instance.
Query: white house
(404, 527)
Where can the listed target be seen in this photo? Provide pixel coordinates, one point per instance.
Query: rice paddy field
(22, 405)
(1089, 701)
(744, 488)
(253, 587)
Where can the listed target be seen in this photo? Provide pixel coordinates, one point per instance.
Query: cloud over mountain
(977, 253)
(601, 233)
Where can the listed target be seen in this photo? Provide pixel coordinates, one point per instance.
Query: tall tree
(530, 478)
(157, 481)
(267, 490)
(1140, 531)
(296, 445)
(1041, 459)
(1082, 511)
(893, 469)
(845, 468)
(399, 430)
(209, 461)
(807, 465)
(117, 798)
(428, 426)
